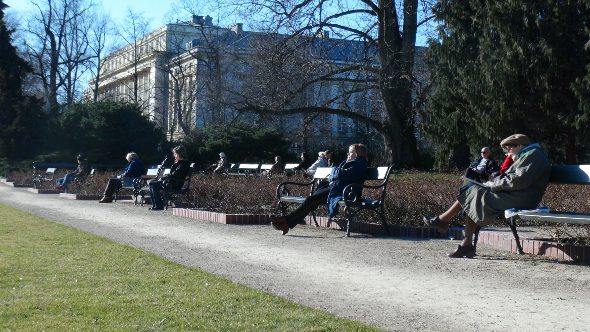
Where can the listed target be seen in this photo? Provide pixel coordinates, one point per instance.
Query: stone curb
(223, 218)
(535, 246)
(43, 191)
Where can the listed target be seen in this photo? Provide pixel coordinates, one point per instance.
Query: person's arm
(524, 172)
(180, 172)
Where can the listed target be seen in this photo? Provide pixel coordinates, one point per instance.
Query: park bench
(284, 191)
(142, 184)
(80, 179)
(560, 174)
(245, 169)
(290, 166)
(47, 172)
(40, 176)
(265, 167)
(351, 204)
(138, 185)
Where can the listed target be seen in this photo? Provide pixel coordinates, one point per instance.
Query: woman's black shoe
(463, 251)
(156, 209)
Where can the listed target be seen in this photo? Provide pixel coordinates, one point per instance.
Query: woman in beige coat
(522, 187)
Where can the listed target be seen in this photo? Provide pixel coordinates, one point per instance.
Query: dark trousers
(310, 204)
(113, 185)
(156, 194)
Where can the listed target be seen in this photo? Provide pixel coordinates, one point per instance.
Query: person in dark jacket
(178, 173)
(304, 164)
(132, 171)
(352, 170)
(166, 149)
(82, 170)
(482, 168)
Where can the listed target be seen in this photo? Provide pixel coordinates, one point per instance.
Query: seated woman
(350, 171)
(323, 161)
(178, 173)
(522, 187)
(82, 170)
(133, 170)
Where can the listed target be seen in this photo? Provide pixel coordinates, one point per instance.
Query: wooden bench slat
(570, 218)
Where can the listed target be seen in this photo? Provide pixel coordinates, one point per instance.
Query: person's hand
(488, 183)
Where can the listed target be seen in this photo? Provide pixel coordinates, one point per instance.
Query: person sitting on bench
(350, 171)
(222, 165)
(178, 173)
(133, 170)
(522, 187)
(82, 170)
(482, 168)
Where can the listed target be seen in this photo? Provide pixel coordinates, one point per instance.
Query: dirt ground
(396, 284)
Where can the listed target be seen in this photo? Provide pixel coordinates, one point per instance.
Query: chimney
(325, 34)
(196, 19)
(238, 28)
(208, 20)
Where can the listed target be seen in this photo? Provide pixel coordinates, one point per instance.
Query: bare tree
(133, 30)
(202, 73)
(370, 52)
(58, 47)
(98, 45)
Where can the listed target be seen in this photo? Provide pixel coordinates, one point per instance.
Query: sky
(154, 10)
(158, 12)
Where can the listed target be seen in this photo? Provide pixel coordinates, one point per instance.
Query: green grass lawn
(54, 277)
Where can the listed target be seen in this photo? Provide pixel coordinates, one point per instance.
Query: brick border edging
(394, 230)
(80, 197)
(223, 218)
(537, 247)
(14, 185)
(43, 191)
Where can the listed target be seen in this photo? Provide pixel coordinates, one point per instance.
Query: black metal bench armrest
(282, 187)
(349, 194)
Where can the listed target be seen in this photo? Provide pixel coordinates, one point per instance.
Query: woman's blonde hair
(131, 156)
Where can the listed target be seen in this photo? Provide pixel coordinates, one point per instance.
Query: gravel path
(395, 284)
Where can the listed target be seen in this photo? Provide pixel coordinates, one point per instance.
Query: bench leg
(382, 215)
(512, 224)
(314, 219)
(348, 217)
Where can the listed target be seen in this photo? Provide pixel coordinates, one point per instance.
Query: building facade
(190, 74)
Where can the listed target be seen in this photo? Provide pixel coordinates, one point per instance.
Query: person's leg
(332, 208)
(156, 194)
(466, 249)
(451, 213)
(284, 223)
(66, 181)
(311, 203)
(442, 221)
(469, 230)
(107, 197)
